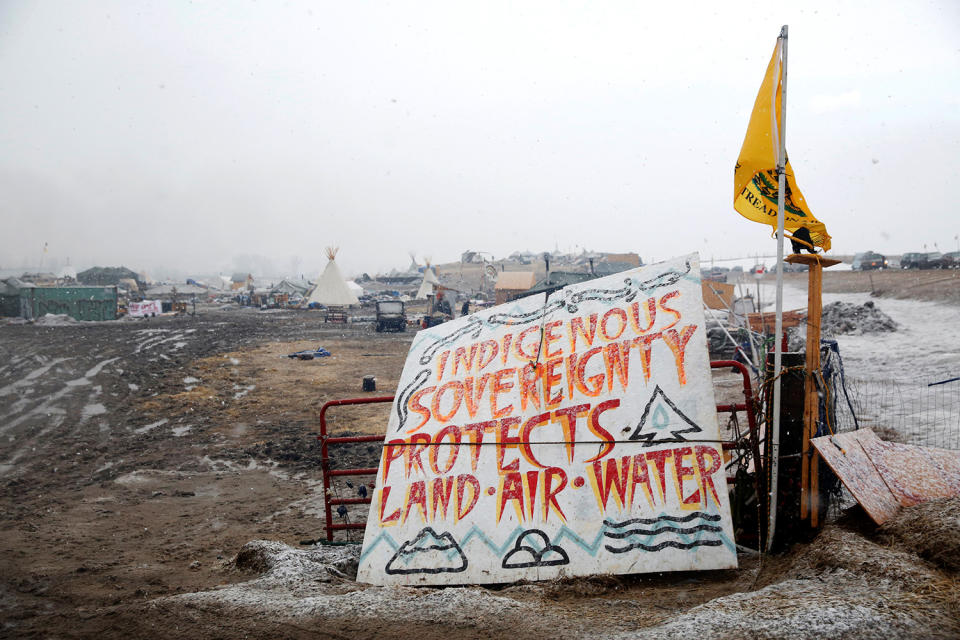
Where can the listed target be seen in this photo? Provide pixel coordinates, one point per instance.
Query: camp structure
(513, 284)
(241, 280)
(332, 289)
(429, 284)
(291, 287)
(81, 302)
(107, 276)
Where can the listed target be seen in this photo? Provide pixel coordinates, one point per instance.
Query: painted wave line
(687, 518)
(664, 544)
(656, 532)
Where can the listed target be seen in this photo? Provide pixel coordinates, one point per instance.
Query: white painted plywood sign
(573, 434)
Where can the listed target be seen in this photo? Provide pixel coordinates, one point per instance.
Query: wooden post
(809, 463)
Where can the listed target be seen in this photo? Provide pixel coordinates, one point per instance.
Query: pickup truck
(391, 316)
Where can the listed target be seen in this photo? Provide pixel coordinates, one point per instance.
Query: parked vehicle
(932, 260)
(950, 260)
(716, 274)
(391, 316)
(869, 260)
(911, 260)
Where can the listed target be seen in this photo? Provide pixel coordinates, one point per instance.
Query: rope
(583, 442)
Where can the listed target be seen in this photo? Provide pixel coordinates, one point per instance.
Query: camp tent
(332, 289)
(291, 287)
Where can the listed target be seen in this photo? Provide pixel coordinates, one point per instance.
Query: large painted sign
(569, 434)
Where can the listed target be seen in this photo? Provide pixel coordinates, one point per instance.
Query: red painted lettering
(678, 345)
(621, 316)
(576, 327)
(600, 432)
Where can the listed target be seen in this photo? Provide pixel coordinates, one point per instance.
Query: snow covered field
(925, 349)
(888, 373)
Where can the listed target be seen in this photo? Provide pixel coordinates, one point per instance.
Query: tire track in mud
(45, 414)
(44, 407)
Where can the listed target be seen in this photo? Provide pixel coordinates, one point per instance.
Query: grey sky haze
(187, 134)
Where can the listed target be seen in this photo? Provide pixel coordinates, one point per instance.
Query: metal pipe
(748, 405)
(778, 325)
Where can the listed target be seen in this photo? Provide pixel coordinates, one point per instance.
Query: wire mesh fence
(910, 413)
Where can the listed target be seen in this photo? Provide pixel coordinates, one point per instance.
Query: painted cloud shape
(528, 555)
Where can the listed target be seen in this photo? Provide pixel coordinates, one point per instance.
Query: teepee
(429, 284)
(414, 267)
(332, 289)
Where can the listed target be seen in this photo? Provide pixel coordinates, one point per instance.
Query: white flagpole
(778, 324)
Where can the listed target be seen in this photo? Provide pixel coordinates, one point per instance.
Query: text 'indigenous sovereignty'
(569, 434)
(755, 180)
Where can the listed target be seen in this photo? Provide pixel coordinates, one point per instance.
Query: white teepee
(332, 289)
(429, 284)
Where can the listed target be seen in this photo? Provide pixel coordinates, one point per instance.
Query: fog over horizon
(197, 138)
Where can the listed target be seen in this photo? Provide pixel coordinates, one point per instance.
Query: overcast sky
(202, 135)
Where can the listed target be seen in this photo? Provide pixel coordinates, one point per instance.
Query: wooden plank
(910, 472)
(884, 476)
(848, 459)
(810, 259)
(718, 295)
(764, 322)
(949, 463)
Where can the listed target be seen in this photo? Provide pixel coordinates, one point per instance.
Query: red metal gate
(326, 440)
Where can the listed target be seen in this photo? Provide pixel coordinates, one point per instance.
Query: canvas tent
(292, 287)
(332, 289)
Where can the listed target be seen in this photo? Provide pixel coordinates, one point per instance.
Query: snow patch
(243, 390)
(795, 608)
(152, 425)
(55, 320)
(25, 380)
(91, 410)
(97, 368)
(291, 582)
(143, 476)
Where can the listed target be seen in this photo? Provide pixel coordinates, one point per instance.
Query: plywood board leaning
(846, 456)
(884, 476)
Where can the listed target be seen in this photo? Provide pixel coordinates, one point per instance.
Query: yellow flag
(755, 184)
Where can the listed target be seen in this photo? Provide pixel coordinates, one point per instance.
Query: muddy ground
(138, 458)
